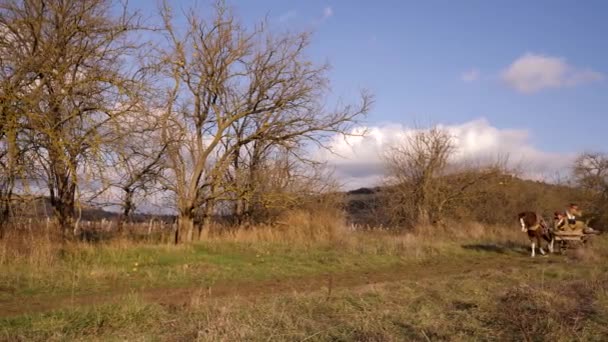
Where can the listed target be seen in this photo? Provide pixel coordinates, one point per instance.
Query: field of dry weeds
(306, 280)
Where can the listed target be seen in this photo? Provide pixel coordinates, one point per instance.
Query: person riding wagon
(570, 222)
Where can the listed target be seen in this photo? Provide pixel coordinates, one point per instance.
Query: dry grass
(298, 226)
(301, 244)
(34, 249)
(37, 249)
(329, 227)
(505, 306)
(587, 254)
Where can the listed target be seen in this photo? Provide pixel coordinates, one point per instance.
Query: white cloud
(470, 75)
(358, 159)
(328, 12)
(532, 72)
(287, 16)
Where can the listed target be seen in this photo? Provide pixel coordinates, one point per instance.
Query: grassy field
(474, 283)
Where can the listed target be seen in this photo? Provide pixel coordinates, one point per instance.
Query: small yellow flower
(134, 269)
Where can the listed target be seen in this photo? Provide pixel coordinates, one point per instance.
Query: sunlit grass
(449, 284)
(484, 304)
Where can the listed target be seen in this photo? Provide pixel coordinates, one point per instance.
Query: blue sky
(536, 67)
(412, 55)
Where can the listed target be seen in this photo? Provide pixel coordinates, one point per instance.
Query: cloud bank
(531, 73)
(358, 160)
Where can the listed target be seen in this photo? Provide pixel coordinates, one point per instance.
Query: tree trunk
(207, 218)
(176, 236)
(3, 223)
(185, 228)
(62, 188)
(63, 209)
(64, 214)
(5, 212)
(6, 192)
(239, 210)
(127, 208)
(189, 229)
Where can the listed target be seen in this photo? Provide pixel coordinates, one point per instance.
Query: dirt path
(181, 297)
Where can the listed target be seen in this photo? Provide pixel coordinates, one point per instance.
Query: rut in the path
(440, 267)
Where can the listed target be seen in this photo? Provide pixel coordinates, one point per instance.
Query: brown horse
(537, 230)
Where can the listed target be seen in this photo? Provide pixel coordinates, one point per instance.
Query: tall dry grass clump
(295, 226)
(467, 231)
(38, 247)
(327, 227)
(35, 249)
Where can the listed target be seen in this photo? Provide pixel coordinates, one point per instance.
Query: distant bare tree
(133, 162)
(591, 173)
(223, 74)
(426, 182)
(263, 167)
(274, 181)
(416, 165)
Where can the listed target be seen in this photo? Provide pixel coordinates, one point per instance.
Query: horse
(537, 230)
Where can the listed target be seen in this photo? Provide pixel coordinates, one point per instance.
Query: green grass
(542, 301)
(105, 268)
(86, 269)
(424, 290)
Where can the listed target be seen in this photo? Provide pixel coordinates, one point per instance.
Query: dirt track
(180, 297)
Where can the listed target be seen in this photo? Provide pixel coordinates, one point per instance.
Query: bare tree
(591, 173)
(222, 73)
(73, 53)
(270, 180)
(132, 164)
(416, 165)
(426, 182)
(9, 159)
(8, 172)
(14, 83)
(142, 169)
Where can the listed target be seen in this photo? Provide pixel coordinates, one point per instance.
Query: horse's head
(522, 222)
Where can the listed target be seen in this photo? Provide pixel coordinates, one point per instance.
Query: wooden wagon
(568, 239)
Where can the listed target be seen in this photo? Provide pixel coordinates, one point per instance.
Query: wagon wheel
(588, 241)
(562, 247)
